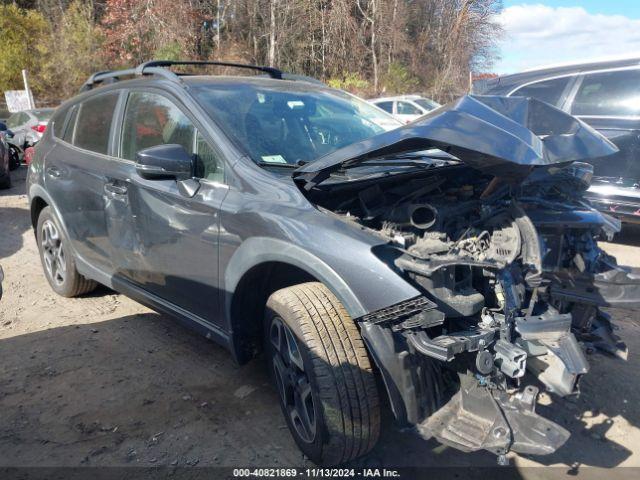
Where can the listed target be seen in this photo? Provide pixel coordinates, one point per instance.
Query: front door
(170, 248)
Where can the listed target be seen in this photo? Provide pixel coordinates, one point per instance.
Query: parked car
(279, 216)
(605, 95)
(406, 108)
(5, 176)
(27, 127)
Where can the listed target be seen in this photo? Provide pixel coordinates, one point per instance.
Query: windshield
(426, 103)
(290, 124)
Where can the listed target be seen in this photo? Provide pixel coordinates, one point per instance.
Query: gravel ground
(103, 381)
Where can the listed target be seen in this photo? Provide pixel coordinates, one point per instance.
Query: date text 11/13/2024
(316, 472)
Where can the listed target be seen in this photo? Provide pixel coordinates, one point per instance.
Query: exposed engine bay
(512, 280)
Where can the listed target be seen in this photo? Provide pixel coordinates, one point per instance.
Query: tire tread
(342, 369)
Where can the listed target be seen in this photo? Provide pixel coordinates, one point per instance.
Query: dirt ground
(102, 380)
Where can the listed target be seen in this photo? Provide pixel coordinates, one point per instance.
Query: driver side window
(152, 119)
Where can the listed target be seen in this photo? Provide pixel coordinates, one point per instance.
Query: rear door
(75, 176)
(170, 246)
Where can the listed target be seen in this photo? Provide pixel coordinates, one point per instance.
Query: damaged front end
(494, 231)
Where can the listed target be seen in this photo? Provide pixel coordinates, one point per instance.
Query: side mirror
(164, 162)
(8, 134)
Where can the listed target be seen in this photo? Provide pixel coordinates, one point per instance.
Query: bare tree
(369, 45)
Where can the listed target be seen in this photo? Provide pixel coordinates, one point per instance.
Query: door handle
(115, 189)
(54, 172)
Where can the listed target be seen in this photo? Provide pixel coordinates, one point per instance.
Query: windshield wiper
(278, 165)
(404, 163)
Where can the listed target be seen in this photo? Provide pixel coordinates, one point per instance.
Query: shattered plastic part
(477, 418)
(503, 246)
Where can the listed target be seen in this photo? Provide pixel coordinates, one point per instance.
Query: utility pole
(32, 104)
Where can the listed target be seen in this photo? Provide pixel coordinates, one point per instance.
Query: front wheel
(57, 260)
(322, 373)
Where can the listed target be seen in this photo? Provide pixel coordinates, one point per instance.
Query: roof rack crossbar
(272, 72)
(155, 67)
(99, 77)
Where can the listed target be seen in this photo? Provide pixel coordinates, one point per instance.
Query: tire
(14, 158)
(5, 182)
(57, 260)
(310, 320)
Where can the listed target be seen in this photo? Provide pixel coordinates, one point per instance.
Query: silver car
(27, 127)
(406, 108)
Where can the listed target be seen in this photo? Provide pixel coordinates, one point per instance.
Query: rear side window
(93, 123)
(609, 93)
(548, 91)
(386, 106)
(151, 120)
(57, 122)
(67, 135)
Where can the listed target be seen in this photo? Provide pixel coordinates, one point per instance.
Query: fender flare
(37, 190)
(258, 250)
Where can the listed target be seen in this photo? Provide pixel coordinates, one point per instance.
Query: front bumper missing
(484, 413)
(480, 418)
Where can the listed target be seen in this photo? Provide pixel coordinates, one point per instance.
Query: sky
(547, 32)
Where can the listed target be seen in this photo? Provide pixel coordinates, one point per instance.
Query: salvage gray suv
(445, 264)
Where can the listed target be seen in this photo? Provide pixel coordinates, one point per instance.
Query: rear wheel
(323, 374)
(57, 261)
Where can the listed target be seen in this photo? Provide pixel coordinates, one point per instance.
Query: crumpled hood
(504, 136)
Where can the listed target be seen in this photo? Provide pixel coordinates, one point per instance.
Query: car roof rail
(156, 67)
(143, 67)
(111, 76)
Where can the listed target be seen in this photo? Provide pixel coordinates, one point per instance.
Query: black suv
(606, 96)
(448, 257)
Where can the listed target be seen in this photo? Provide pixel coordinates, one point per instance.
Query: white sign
(17, 100)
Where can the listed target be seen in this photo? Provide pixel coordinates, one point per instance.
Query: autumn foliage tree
(21, 33)
(139, 30)
(370, 47)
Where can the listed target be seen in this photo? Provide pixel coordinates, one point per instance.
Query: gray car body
(259, 219)
(4, 158)
(212, 252)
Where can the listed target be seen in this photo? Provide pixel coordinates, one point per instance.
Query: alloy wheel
(53, 252)
(292, 380)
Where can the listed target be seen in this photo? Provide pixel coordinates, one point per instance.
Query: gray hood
(504, 136)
